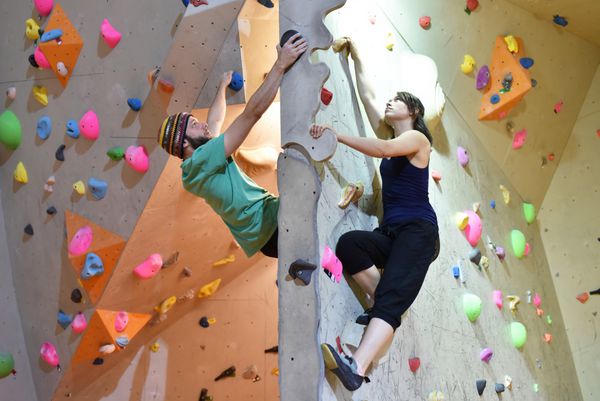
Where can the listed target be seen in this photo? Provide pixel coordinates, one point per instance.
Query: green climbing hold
(518, 333)
(7, 364)
(517, 238)
(116, 153)
(10, 130)
(529, 212)
(472, 306)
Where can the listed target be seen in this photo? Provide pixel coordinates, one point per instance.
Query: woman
(407, 241)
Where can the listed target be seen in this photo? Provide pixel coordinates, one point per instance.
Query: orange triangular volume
(503, 62)
(135, 323)
(107, 245)
(69, 48)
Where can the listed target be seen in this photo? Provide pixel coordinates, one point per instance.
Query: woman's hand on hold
(316, 131)
(291, 50)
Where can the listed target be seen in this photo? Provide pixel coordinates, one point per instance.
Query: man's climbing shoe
(365, 317)
(302, 271)
(344, 370)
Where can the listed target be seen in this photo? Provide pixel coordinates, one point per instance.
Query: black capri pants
(404, 251)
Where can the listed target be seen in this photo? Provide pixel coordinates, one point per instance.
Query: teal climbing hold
(7, 364)
(93, 266)
(97, 187)
(44, 127)
(73, 129)
(63, 319)
(10, 130)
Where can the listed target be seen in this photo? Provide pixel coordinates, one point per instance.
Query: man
(209, 171)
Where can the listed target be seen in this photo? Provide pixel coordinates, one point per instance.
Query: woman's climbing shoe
(344, 370)
(365, 317)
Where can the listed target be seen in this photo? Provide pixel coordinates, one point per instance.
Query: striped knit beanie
(172, 133)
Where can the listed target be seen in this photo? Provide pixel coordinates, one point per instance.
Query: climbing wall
(569, 207)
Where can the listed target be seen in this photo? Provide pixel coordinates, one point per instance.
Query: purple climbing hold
(493, 204)
(483, 77)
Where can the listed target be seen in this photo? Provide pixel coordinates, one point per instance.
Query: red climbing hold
(413, 364)
(425, 22)
(583, 297)
(558, 107)
(471, 6)
(326, 96)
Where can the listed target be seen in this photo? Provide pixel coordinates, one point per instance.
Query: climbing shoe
(345, 370)
(365, 317)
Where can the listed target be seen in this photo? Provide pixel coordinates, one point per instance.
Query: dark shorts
(270, 248)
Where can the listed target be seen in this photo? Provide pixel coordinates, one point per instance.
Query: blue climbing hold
(495, 98)
(134, 103)
(526, 62)
(44, 127)
(558, 20)
(63, 319)
(93, 266)
(456, 271)
(493, 204)
(73, 129)
(51, 35)
(97, 187)
(237, 81)
(122, 341)
(185, 3)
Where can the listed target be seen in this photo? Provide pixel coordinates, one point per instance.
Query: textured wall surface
(569, 221)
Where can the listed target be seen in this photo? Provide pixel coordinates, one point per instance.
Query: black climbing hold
(286, 36)
(480, 385)
(499, 388)
(98, 361)
(229, 372)
(32, 61)
(533, 83)
(60, 156)
(267, 3)
(595, 292)
(302, 270)
(51, 210)
(204, 322)
(272, 350)
(29, 229)
(76, 296)
(203, 395)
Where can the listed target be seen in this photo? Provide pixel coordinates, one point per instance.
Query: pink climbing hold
(463, 156)
(425, 21)
(137, 158)
(486, 354)
(372, 18)
(473, 228)
(527, 248)
(537, 300)
(413, 364)
(111, 36)
(497, 296)
(81, 241)
(89, 126)
(558, 107)
(331, 264)
(44, 6)
(49, 355)
(519, 139)
(150, 267)
(121, 321)
(40, 58)
(79, 323)
(436, 175)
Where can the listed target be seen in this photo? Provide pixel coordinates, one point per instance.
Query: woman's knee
(346, 244)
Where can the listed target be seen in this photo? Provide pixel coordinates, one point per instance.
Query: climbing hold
(43, 7)
(116, 153)
(497, 296)
(209, 288)
(547, 338)
(107, 349)
(533, 83)
(93, 266)
(20, 173)
(331, 265)
(89, 126)
(548, 319)
(456, 271)
(149, 267)
(558, 107)
(495, 98)
(326, 96)
(518, 242)
(10, 130)
(413, 364)
(436, 396)
(493, 204)
(526, 62)
(472, 306)
(471, 6)
(519, 139)
(500, 252)
(436, 175)
(166, 305)
(499, 388)
(81, 241)
(518, 333)
(63, 319)
(59, 154)
(473, 228)
(475, 256)
(476, 206)
(463, 156)
(237, 81)
(483, 77)
(514, 301)
(155, 346)
(251, 373)
(229, 372)
(224, 261)
(511, 43)
(480, 386)
(11, 93)
(44, 127)
(54, 34)
(198, 3)
(76, 296)
(134, 103)
(40, 94)
(468, 63)
(505, 194)
(551, 157)
(72, 129)
(32, 29)
(390, 41)
(122, 341)
(266, 3)
(28, 229)
(62, 69)
(98, 361)
(121, 320)
(302, 270)
(529, 212)
(486, 354)
(425, 21)
(40, 59)
(79, 187)
(537, 300)
(111, 36)
(286, 36)
(508, 382)
(558, 20)
(187, 271)
(49, 185)
(352, 193)
(51, 210)
(166, 85)
(79, 323)
(32, 61)
(137, 158)
(539, 312)
(204, 322)
(583, 297)
(97, 187)
(49, 355)
(7, 364)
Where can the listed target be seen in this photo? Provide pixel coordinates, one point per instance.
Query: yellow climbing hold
(212, 320)
(79, 187)
(209, 288)
(512, 44)
(468, 63)
(20, 173)
(155, 347)
(40, 94)
(166, 305)
(461, 220)
(32, 29)
(505, 194)
(436, 396)
(390, 41)
(275, 371)
(224, 261)
(514, 301)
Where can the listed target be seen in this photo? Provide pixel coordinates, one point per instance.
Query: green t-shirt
(248, 210)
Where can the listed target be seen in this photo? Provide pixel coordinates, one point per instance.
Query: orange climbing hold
(583, 297)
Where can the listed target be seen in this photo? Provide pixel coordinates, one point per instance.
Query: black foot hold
(302, 270)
